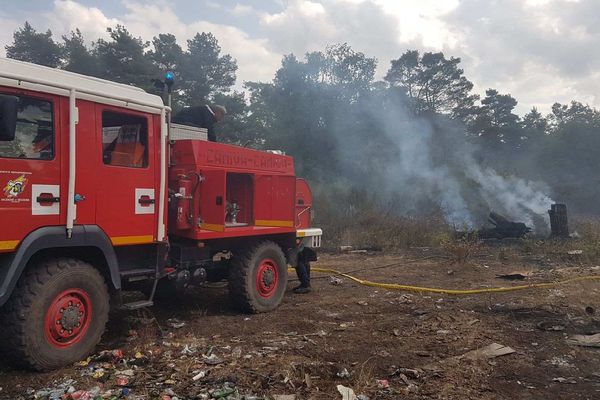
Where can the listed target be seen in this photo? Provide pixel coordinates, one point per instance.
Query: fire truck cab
(97, 197)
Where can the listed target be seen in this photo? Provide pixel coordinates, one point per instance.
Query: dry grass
(462, 249)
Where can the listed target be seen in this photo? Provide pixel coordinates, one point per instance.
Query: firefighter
(305, 256)
(202, 117)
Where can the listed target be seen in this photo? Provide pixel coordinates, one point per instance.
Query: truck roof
(36, 77)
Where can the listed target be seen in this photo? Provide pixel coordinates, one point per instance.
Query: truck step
(138, 274)
(136, 305)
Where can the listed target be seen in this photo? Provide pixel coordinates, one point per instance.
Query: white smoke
(465, 189)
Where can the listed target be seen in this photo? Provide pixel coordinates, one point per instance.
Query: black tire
(29, 338)
(265, 258)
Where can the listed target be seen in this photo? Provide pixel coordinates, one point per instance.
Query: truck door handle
(145, 200)
(47, 198)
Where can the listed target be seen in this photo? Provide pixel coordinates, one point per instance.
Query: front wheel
(56, 315)
(258, 277)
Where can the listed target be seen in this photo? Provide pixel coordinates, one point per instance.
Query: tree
(167, 55)
(341, 65)
(495, 122)
(205, 71)
(35, 47)
(575, 112)
(534, 125)
(77, 57)
(123, 58)
(239, 126)
(436, 84)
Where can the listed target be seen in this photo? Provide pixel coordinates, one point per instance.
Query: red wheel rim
(68, 318)
(267, 278)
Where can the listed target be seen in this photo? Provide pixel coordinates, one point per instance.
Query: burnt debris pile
(503, 228)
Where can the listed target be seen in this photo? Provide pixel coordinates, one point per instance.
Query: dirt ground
(353, 335)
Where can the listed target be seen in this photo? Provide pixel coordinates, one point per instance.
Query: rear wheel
(257, 278)
(56, 315)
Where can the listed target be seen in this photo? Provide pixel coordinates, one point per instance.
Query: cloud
(241, 9)
(68, 15)
(6, 33)
(539, 51)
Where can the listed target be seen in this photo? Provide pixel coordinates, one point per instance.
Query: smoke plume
(430, 162)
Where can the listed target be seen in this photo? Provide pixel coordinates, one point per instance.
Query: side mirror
(8, 117)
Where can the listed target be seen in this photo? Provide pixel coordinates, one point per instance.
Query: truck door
(213, 201)
(30, 170)
(127, 196)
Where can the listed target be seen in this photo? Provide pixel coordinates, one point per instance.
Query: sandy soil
(353, 335)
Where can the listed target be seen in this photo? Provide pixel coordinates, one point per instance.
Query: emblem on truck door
(15, 187)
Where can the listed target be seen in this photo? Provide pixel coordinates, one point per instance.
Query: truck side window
(124, 140)
(34, 137)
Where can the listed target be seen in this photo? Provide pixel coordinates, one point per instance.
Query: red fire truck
(98, 195)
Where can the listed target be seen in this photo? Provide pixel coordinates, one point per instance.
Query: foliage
(205, 71)
(436, 84)
(77, 57)
(33, 46)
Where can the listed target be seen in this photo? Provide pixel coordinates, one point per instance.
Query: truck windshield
(34, 137)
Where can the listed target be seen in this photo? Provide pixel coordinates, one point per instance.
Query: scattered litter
(358, 252)
(175, 323)
(189, 350)
(122, 381)
(99, 373)
(212, 359)
(236, 352)
(561, 362)
(491, 351)
(574, 252)
(335, 281)
(550, 326)
(590, 310)
(199, 375)
(307, 381)
(82, 395)
(585, 340)
(516, 275)
(396, 332)
(346, 248)
(363, 303)
(382, 383)
(343, 373)
(109, 355)
(564, 380)
(346, 392)
(223, 393)
(407, 372)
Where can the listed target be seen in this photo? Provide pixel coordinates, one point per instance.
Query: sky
(539, 51)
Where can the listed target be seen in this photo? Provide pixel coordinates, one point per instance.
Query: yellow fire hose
(420, 289)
